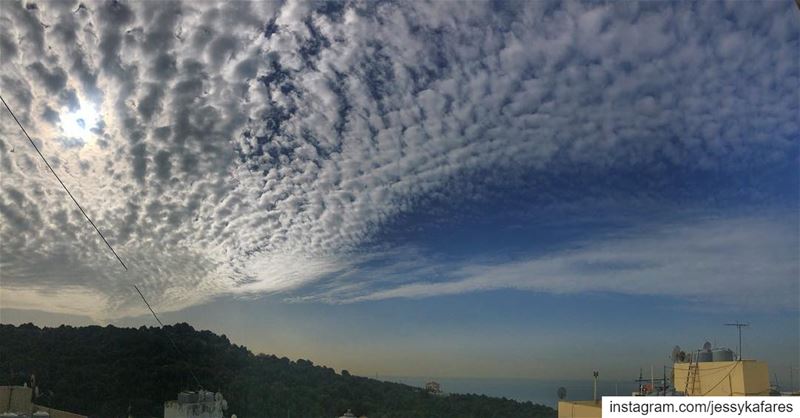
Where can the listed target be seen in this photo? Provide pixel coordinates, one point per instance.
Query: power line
(178, 350)
(62, 184)
(148, 305)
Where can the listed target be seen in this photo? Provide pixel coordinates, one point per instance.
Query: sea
(541, 391)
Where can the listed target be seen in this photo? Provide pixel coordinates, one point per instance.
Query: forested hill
(107, 371)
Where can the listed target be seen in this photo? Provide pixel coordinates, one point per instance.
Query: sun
(78, 123)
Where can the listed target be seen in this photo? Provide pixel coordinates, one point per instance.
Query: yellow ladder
(694, 371)
(692, 375)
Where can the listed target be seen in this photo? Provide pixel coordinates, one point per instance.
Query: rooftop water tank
(704, 356)
(722, 354)
(188, 397)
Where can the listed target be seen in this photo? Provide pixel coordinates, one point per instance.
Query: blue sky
(486, 191)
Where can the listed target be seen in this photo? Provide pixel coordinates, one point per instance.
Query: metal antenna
(739, 326)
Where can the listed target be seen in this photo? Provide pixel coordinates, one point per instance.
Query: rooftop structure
(718, 372)
(722, 378)
(349, 414)
(433, 387)
(579, 409)
(17, 401)
(200, 404)
(705, 372)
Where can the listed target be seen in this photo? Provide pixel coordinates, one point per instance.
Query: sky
(490, 189)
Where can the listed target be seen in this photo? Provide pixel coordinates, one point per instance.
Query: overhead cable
(178, 350)
(63, 185)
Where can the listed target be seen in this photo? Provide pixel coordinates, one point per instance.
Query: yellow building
(722, 378)
(15, 399)
(580, 409)
(18, 399)
(705, 378)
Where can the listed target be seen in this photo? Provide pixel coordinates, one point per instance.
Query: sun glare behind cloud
(78, 124)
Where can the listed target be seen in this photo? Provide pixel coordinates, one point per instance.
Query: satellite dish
(707, 346)
(676, 354)
(562, 392)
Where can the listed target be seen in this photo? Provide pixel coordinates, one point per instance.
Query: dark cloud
(53, 81)
(8, 48)
(50, 115)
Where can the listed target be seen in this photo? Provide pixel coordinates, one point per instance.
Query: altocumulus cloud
(249, 148)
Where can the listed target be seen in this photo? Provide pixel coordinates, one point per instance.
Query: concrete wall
(756, 379)
(56, 413)
(723, 378)
(579, 409)
(16, 399)
(173, 409)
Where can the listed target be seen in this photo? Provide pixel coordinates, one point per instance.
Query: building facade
(722, 378)
(18, 400)
(200, 404)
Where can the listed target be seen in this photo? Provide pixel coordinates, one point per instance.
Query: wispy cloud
(729, 263)
(256, 147)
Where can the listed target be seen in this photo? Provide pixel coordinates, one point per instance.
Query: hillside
(104, 371)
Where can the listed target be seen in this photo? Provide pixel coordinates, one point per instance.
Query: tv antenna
(739, 326)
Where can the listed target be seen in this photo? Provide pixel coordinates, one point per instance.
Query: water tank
(188, 397)
(722, 354)
(704, 356)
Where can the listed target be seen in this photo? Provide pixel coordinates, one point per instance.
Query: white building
(201, 404)
(349, 414)
(433, 387)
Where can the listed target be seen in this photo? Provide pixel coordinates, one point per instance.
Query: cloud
(258, 147)
(742, 262)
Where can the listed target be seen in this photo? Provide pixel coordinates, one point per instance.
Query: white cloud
(237, 156)
(732, 263)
